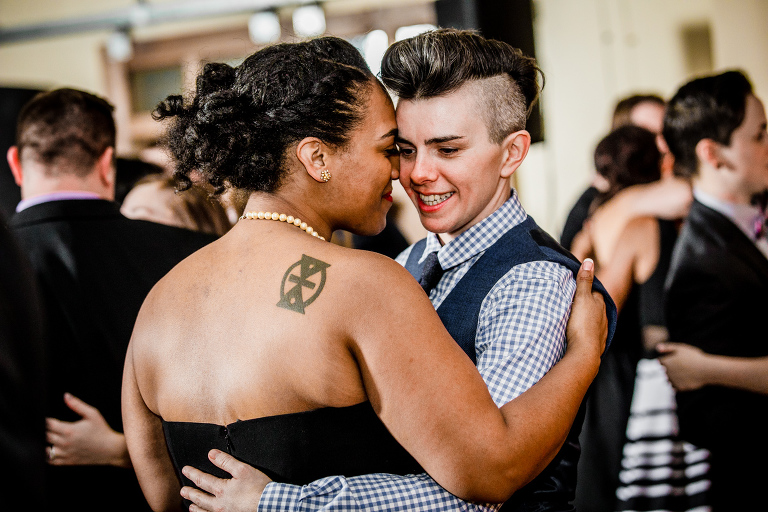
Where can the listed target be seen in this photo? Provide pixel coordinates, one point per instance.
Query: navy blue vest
(554, 488)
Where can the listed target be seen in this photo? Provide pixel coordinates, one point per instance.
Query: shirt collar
(55, 196)
(478, 237)
(743, 215)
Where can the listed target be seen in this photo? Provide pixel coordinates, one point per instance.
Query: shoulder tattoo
(307, 273)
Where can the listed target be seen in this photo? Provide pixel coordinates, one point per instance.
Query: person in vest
(501, 285)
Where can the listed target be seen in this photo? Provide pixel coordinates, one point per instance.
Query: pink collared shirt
(742, 215)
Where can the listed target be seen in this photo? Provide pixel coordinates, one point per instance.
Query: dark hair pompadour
(439, 62)
(241, 121)
(711, 107)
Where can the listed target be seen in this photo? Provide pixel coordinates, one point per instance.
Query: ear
(313, 155)
(105, 166)
(15, 164)
(708, 153)
(516, 146)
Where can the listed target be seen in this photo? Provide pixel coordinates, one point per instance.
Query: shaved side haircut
(441, 61)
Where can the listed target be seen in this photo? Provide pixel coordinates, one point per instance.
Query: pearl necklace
(281, 217)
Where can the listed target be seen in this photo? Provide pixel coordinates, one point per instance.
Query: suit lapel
(722, 231)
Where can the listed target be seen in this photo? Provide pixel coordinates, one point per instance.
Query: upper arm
(521, 329)
(668, 198)
(434, 402)
(631, 259)
(421, 384)
(146, 444)
(581, 246)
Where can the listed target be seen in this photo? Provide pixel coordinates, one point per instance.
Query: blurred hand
(89, 441)
(241, 493)
(684, 365)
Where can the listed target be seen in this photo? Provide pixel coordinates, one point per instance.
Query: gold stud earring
(325, 175)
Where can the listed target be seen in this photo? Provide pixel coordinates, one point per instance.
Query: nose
(395, 172)
(420, 170)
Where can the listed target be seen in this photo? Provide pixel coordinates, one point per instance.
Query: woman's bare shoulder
(642, 226)
(172, 293)
(375, 271)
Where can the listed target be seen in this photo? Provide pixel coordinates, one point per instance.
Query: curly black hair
(238, 127)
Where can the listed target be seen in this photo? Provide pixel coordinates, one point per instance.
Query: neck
(40, 183)
(275, 203)
(722, 189)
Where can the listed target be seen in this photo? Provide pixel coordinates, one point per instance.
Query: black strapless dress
(294, 448)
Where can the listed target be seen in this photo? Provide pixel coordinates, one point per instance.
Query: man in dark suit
(22, 379)
(94, 268)
(717, 285)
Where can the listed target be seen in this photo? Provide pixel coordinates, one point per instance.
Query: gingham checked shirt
(520, 336)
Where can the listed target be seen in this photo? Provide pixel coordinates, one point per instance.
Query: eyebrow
(390, 133)
(434, 140)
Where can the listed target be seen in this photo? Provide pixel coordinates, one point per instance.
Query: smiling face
(747, 154)
(449, 167)
(367, 165)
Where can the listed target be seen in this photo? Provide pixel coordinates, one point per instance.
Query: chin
(375, 231)
(370, 228)
(436, 225)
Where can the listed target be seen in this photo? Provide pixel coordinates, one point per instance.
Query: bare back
(254, 328)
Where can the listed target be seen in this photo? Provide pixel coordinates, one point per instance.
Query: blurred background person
(22, 380)
(658, 471)
(155, 198)
(636, 269)
(128, 171)
(646, 111)
(689, 368)
(717, 288)
(94, 267)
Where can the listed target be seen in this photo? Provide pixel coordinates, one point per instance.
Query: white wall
(593, 52)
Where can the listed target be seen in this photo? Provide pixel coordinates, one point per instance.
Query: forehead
(380, 113)
(456, 113)
(648, 115)
(754, 112)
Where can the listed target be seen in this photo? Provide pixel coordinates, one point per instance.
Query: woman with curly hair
(301, 357)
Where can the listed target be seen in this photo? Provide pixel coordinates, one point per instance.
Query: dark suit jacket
(717, 299)
(94, 268)
(22, 380)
